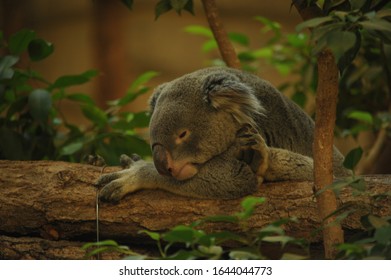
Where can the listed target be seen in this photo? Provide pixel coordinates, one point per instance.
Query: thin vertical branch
(326, 107)
(326, 104)
(216, 25)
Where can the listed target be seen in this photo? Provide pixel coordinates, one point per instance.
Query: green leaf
(140, 119)
(40, 104)
(347, 58)
(328, 5)
(128, 3)
(320, 31)
(6, 62)
(263, 53)
(340, 42)
(352, 158)
(246, 56)
(272, 230)
(209, 45)
(178, 5)
(213, 250)
(182, 234)
(19, 41)
(141, 80)
(357, 4)
(220, 237)
(101, 243)
(363, 116)
(80, 97)
(221, 218)
(243, 255)
(72, 148)
(297, 40)
(163, 6)
(283, 239)
(376, 24)
(39, 49)
(291, 256)
(199, 30)
(136, 89)
(73, 80)
(153, 235)
(383, 235)
(239, 38)
(269, 24)
(249, 204)
(313, 22)
(96, 115)
(299, 98)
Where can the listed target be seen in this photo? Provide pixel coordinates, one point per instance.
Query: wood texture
(326, 111)
(226, 49)
(55, 201)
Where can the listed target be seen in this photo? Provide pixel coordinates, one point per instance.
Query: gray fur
(199, 119)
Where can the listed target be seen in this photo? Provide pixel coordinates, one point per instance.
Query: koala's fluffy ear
(154, 97)
(226, 92)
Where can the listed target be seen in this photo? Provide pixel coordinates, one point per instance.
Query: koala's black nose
(160, 159)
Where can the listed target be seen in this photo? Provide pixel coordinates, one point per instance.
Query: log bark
(35, 248)
(326, 110)
(55, 201)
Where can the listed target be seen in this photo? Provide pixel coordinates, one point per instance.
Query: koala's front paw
(116, 185)
(253, 150)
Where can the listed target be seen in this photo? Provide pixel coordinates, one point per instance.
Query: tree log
(56, 201)
(35, 248)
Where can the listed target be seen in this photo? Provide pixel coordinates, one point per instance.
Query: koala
(219, 133)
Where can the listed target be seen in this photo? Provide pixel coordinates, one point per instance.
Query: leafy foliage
(191, 242)
(287, 53)
(359, 35)
(375, 243)
(32, 125)
(164, 6)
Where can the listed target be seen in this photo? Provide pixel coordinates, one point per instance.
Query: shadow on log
(53, 204)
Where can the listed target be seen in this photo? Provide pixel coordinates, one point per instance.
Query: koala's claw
(127, 161)
(113, 187)
(116, 185)
(246, 131)
(113, 192)
(107, 178)
(95, 160)
(253, 150)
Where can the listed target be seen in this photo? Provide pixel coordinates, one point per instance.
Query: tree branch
(55, 201)
(326, 103)
(216, 25)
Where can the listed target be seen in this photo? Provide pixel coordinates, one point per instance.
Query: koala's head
(196, 117)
